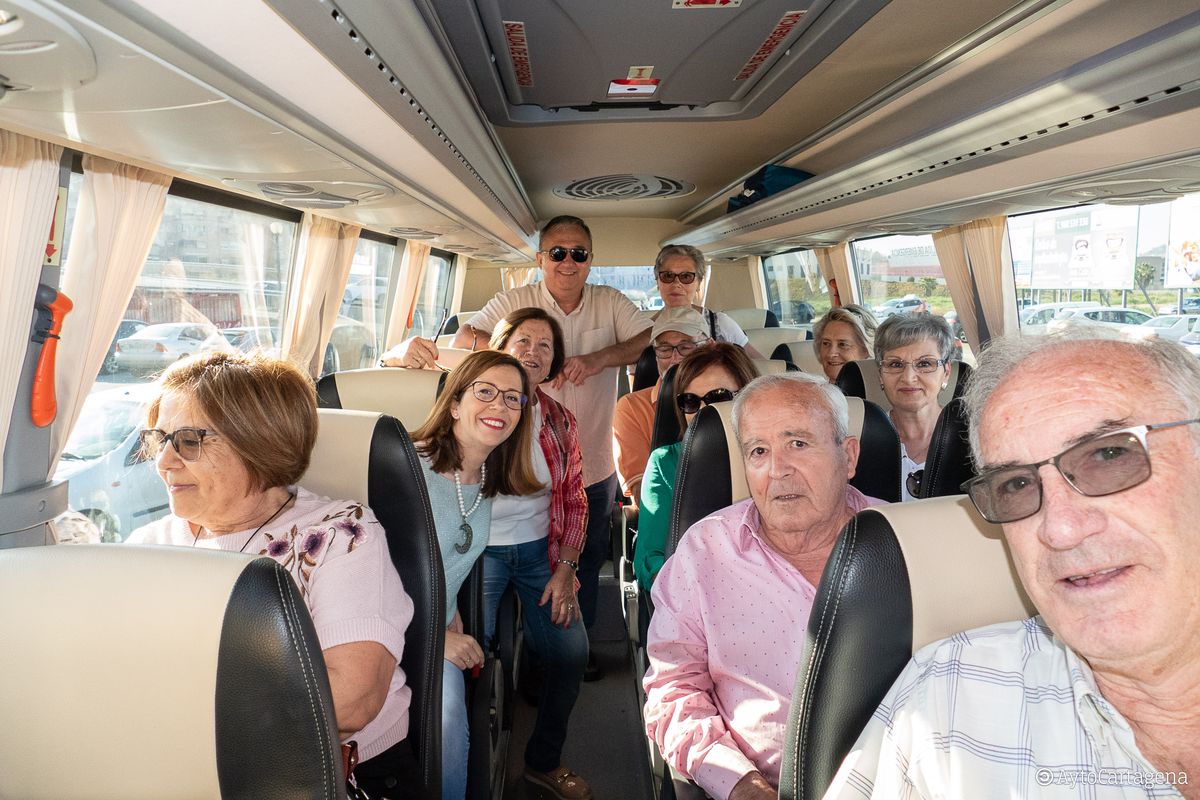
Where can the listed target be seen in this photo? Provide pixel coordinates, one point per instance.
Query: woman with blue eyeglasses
(474, 445)
(709, 375)
(913, 355)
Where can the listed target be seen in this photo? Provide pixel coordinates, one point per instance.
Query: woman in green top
(708, 375)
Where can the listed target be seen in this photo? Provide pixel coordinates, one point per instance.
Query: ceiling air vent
(624, 187)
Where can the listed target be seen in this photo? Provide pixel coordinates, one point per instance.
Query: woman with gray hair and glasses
(679, 272)
(913, 355)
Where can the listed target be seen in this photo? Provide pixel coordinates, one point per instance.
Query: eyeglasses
(186, 442)
(683, 348)
(487, 393)
(578, 254)
(925, 366)
(691, 403)
(1098, 466)
(913, 482)
(683, 277)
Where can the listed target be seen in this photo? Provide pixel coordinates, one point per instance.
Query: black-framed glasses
(692, 403)
(893, 366)
(186, 441)
(683, 348)
(578, 254)
(683, 277)
(486, 392)
(913, 482)
(1099, 465)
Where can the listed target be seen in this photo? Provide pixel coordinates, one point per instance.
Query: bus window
(215, 279)
(902, 275)
(636, 283)
(433, 295)
(796, 292)
(358, 333)
(1139, 258)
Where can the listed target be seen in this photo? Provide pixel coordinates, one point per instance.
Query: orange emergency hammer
(52, 307)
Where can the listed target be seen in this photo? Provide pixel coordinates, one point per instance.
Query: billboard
(1183, 251)
(1089, 247)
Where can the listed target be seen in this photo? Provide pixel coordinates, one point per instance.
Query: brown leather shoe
(561, 783)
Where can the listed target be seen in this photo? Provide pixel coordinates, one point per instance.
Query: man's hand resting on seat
(753, 786)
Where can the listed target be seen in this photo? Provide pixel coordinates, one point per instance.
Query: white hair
(800, 382)
(1167, 368)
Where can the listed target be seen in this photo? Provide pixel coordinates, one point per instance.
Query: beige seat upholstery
(406, 394)
(804, 355)
(767, 339)
(160, 672)
(900, 577)
(770, 366)
(752, 318)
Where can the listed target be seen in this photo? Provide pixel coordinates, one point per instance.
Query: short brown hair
(504, 331)
(264, 407)
(510, 465)
(718, 354)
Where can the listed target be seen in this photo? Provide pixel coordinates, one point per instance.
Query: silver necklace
(468, 534)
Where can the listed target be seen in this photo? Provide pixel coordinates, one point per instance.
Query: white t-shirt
(516, 520)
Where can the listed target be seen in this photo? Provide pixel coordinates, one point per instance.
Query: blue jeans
(601, 496)
(456, 737)
(562, 651)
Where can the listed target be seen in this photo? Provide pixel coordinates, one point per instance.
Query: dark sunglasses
(683, 277)
(186, 441)
(1101, 465)
(578, 254)
(691, 403)
(913, 482)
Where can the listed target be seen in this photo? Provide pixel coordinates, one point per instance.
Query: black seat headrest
(948, 464)
(645, 374)
(666, 424)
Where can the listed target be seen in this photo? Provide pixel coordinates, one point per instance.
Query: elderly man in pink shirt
(732, 604)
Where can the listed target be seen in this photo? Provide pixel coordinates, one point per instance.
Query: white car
(1035, 318)
(109, 482)
(156, 347)
(1173, 326)
(1127, 320)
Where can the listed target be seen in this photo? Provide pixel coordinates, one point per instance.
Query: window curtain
(416, 256)
(316, 292)
(512, 277)
(28, 191)
(952, 255)
(118, 214)
(834, 263)
(985, 241)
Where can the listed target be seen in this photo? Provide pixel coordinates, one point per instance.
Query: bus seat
(753, 318)
(712, 475)
(666, 424)
(900, 577)
(948, 463)
(444, 341)
(773, 366)
(140, 671)
(766, 340)
(861, 379)
(406, 394)
(802, 354)
(369, 456)
(646, 372)
(451, 357)
(454, 322)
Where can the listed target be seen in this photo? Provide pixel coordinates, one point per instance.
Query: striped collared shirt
(1005, 712)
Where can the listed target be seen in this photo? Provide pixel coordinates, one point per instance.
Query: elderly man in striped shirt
(1089, 455)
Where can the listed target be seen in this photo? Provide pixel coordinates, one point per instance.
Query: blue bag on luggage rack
(769, 180)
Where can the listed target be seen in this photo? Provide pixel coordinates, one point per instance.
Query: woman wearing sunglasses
(230, 435)
(679, 271)
(913, 355)
(473, 446)
(709, 375)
